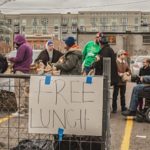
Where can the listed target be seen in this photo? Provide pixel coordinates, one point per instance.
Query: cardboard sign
(68, 102)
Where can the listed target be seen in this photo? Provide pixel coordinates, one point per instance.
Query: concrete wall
(133, 43)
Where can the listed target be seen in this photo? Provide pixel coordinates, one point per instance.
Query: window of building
(74, 29)
(74, 21)
(136, 28)
(56, 28)
(136, 20)
(124, 21)
(9, 21)
(24, 22)
(146, 39)
(64, 21)
(81, 22)
(34, 22)
(103, 20)
(44, 21)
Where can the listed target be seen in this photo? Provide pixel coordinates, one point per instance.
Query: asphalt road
(128, 134)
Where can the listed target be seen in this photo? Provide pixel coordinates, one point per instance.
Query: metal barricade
(15, 129)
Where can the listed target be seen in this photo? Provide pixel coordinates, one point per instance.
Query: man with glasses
(145, 80)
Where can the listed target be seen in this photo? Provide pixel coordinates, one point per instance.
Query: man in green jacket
(90, 51)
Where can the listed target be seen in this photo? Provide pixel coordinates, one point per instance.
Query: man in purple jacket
(21, 66)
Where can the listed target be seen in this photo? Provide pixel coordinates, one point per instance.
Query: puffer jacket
(72, 62)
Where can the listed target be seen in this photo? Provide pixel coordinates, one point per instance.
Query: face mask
(17, 45)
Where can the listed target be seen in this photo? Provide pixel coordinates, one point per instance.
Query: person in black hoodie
(106, 51)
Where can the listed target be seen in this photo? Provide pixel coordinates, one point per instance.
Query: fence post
(106, 104)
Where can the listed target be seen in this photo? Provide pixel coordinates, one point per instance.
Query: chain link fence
(14, 133)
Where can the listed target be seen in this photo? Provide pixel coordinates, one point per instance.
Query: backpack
(3, 64)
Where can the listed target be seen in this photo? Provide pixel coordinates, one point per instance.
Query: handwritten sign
(68, 102)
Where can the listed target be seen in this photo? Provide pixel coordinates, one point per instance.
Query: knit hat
(103, 40)
(120, 52)
(70, 41)
(49, 42)
(99, 34)
(19, 39)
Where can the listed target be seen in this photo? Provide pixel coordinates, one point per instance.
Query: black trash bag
(7, 101)
(78, 143)
(34, 145)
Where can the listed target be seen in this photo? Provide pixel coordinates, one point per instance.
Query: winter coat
(45, 57)
(144, 71)
(122, 67)
(89, 53)
(23, 58)
(107, 51)
(72, 62)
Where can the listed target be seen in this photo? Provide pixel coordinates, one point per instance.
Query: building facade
(120, 27)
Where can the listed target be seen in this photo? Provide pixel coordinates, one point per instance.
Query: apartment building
(120, 27)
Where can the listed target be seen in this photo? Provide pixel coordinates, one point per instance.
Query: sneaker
(17, 114)
(129, 113)
(124, 109)
(114, 111)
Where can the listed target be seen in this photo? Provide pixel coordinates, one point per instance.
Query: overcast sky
(63, 6)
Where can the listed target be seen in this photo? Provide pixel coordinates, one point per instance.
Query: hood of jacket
(75, 49)
(19, 39)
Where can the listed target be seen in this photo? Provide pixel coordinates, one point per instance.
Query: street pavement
(121, 139)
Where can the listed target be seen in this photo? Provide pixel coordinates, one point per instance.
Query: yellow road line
(126, 139)
(5, 119)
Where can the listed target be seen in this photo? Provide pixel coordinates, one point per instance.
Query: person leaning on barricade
(21, 65)
(145, 80)
(70, 63)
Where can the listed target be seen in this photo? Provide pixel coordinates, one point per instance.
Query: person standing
(90, 51)
(21, 66)
(107, 52)
(50, 54)
(70, 63)
(122, 67)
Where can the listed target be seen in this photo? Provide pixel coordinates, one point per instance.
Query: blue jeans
(135, 96)
(87, 70)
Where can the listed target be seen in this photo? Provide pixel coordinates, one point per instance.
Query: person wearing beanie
(90, 51)
(70, 41)
(49, 54)
(107, 52)
(70, 63)
(21, 65)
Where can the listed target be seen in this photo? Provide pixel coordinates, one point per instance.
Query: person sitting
(135, 96)
(145, 70)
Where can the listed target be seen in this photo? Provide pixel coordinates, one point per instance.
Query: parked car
(137, 63)
(8, 83)
(36, 52)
